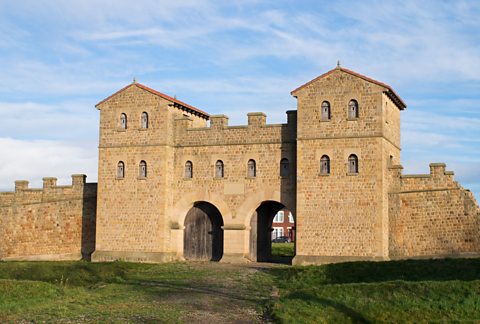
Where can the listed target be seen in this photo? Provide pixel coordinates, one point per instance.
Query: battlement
(431, 215)
(257, 131)
(23, 195)
(437, 179)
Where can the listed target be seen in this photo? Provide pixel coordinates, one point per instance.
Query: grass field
(412, 291)
(283, 249)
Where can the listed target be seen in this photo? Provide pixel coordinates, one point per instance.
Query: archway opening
(272, 224)
(203, 234)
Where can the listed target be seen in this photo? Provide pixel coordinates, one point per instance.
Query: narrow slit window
(123, 121)
(284, 168)
(188, 170)
(252, 169)
(120, 170)
(144, 120)
(353, 109)
(352, 164)
(219, 169)
(325, 110)
(142, 173)
(325, 165)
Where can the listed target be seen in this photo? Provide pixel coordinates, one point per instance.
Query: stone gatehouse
(177, 183)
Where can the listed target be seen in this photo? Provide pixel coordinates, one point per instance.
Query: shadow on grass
(182, 279)
(78, 273)
(348, 312)
(369, 272)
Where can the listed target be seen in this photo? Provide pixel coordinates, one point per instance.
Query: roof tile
(162, 95)
(396, 98)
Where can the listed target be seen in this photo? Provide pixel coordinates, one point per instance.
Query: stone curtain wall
(52, 223)
(432, 216)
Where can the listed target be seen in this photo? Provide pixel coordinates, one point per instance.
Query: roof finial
(134, 80)
(338, 64)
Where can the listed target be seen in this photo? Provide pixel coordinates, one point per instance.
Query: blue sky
(59, 58)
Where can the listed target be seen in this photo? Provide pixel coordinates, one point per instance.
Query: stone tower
(135, 172)
(348, 133)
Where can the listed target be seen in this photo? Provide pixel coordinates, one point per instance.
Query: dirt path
(226, 295)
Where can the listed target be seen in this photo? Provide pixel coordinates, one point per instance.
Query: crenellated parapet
(49, 223)
(438, 179)
(431, 215)
(257, 131)
(49, 192)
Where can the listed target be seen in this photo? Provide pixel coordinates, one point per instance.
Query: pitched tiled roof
(389, 91)
(177, 103)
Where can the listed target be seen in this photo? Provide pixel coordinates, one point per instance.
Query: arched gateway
(261, 227)
(209, 191)
(203, 234)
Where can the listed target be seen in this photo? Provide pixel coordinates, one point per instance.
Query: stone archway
(260, 245)
(203, 234)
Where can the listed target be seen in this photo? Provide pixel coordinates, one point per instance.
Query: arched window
(325, 110)
(353, 109)
(123, 121)
(142, 170)
(219, 171)
(144, 120)
(120, 170)
(252, 168)
(352, 164)
(325, 165)
(284, 168)
(188, 170)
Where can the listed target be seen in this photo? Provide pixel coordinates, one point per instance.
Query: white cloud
(35, 159)
(72, 120)
(60, 58)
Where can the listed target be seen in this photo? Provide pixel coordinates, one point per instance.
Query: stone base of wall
(309, 259)
(147, 257)
(46, 257)
(234, 258)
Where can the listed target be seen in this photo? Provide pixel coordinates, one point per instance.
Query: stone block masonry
(176, 183)
(52, 223)
(432, 216)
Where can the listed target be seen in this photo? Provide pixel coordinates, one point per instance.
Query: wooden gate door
(197, 239)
